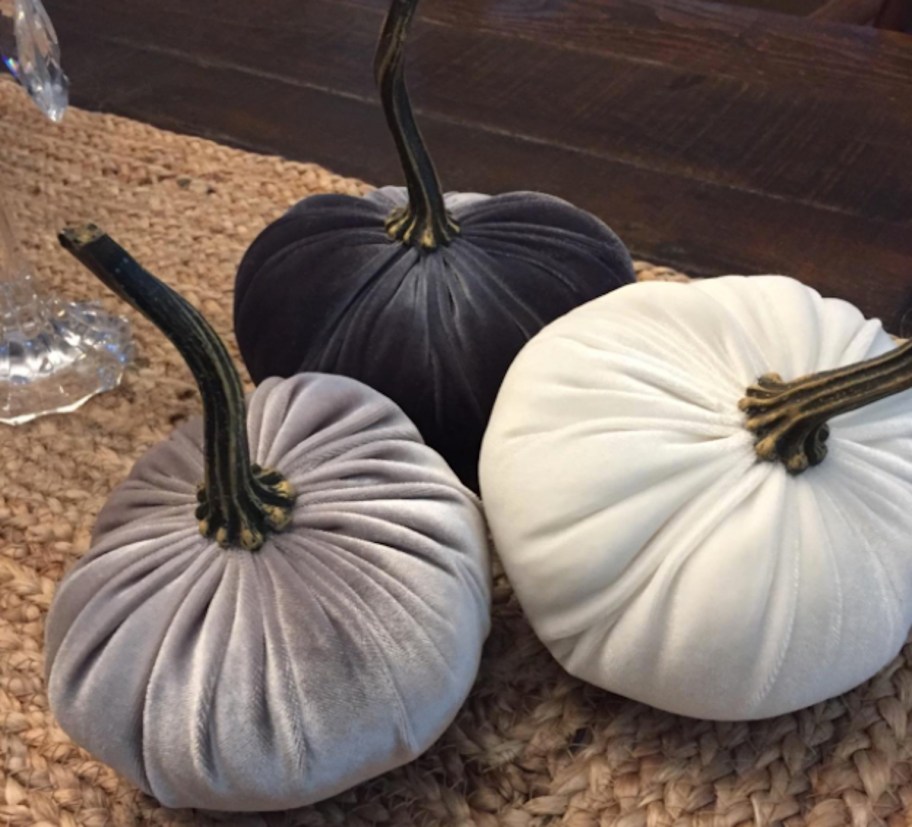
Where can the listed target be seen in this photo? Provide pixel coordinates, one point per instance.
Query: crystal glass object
(54, 355)
(31, 53)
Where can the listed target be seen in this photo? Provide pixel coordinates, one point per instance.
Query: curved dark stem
(425, 222)
(789, 419)
(239, 502)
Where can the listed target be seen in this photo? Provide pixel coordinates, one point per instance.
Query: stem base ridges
(789, 419)
(416, 230)
(780, 435)
(269, 507)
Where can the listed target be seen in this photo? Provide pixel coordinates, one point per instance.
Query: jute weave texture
(533, 747)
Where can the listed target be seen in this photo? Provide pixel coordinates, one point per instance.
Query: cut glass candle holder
(54, 354)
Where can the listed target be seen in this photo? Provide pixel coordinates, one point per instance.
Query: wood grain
(895, 15)
(743, 141)
(848, 11)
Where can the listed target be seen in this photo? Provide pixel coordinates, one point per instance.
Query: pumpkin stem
(789, 419)
(239, 503)
(425, 222)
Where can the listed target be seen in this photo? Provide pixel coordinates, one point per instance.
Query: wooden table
(715, 139)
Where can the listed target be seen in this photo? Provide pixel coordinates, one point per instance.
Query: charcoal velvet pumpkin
(424, 296)
(702, 494)
(279, 635)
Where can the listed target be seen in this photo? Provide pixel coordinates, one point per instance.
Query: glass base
(58, 356)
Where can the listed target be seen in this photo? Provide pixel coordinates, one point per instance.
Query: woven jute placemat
(533, 746)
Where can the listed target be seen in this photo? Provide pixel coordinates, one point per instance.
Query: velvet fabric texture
(325, 288)
(654, 554)
(249, 681)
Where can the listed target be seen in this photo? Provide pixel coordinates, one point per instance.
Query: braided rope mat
(533, 747)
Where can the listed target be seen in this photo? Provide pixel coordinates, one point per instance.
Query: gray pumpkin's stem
(789, 419)
(239, 503)
(425, 222)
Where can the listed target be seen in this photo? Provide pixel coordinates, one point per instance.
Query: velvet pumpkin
(702, 494)
(322, 623)
(424, 296)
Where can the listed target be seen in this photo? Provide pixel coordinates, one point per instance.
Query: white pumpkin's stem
(790, 418)
(425, 222)
(239, 503)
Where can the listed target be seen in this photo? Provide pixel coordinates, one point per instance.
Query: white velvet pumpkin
(653, 553)
(227, 679)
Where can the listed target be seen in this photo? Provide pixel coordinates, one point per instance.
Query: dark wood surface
(848, 11)
(895, 15)
(715, 139)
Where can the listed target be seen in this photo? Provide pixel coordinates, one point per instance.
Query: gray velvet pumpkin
(222, 678)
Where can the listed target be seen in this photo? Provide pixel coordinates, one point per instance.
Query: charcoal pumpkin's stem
(239, 503)
(789, 419)
(425, 222)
